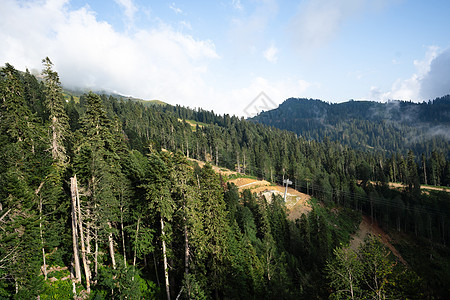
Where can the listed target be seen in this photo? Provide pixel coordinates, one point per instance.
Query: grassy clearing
(194, 124)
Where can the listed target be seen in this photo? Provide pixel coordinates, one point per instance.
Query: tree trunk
(87, 271)
(55, 150)
(156, 269)
(238, 169)
(351, 287)
(424, 171)
(166, 268)
(186, 249)
(74, 290)
(268, 259)
(88, 232)
(217, 156)
(186, 259)
(135, 245)
(111, 246)
(96, 254)
(198, 152)
(210, 153)
(44, 267)
(187, 148)
(123, 238)
(76, 254)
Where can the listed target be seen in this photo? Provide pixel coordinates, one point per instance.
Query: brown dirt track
(296, 203)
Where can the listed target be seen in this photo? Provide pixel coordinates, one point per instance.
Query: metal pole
(288, 182)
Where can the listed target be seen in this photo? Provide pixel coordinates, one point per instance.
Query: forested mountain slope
(85, 185)
(395, 126)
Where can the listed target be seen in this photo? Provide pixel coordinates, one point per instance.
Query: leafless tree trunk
(76, 254)
(210, 152)
(44, 267)
(135, 245)
(123, 240)
(87, 271)
(74, 290)
(187, 148)
(88, 232)
(198, 152)
(238, 169)
(424, 171)
(186, 251)
(217, 156)
(96, 254)
(111, 246)
(268, 260)
(166, 267)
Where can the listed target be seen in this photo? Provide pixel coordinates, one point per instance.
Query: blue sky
(220, 55)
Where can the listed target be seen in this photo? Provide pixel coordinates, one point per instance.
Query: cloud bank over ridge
(153, 63)
(431, 79)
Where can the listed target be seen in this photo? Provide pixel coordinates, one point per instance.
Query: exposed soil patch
(217, 169)
(422, 187)
(296, 203)
(367, 227)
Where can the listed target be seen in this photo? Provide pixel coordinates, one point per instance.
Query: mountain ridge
(394, 126)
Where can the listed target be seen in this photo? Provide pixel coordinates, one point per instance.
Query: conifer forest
(106, 197)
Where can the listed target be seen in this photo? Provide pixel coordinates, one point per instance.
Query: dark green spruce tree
(21, 147)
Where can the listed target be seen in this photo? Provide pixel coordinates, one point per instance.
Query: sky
(236, 56)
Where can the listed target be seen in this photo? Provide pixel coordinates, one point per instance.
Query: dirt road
(296, 203)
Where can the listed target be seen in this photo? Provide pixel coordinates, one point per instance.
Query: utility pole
(288, 182)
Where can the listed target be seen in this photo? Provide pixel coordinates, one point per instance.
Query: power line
(378, 200)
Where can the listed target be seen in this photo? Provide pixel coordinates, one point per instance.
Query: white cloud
(130, 8)
(423, 66)
(175, 9)
(436, 82)
(247, 31)
(407, 89)
(157, 63)
(430, 80)
(237, 5)
(319, 21)
(271, 54)
(185, 24)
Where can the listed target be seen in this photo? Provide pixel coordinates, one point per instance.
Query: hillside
(76, 93)
(395, 126)
(297, 203)
(106, 185)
